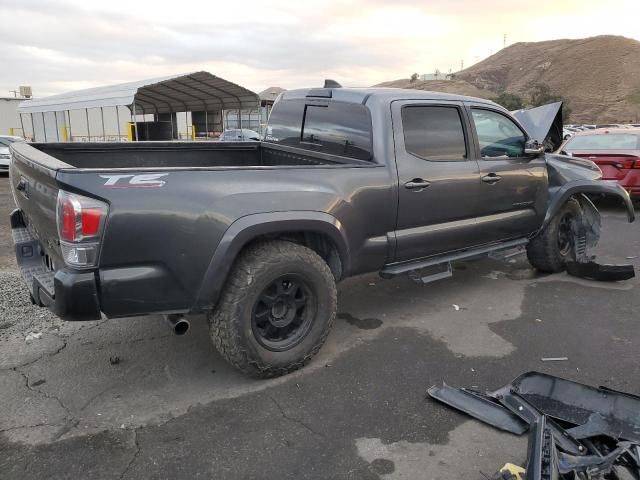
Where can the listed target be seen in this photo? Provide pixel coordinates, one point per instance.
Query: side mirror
(533, 148)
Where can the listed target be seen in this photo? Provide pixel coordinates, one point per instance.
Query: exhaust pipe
(178, 323)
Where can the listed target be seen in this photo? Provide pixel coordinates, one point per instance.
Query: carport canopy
(191, 92)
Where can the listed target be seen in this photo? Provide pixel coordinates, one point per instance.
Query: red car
(615, 150)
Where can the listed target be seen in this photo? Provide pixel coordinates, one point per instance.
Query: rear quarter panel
(159, 241)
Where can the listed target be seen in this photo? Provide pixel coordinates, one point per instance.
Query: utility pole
(461, 65)
(15, 93)
(504, 41)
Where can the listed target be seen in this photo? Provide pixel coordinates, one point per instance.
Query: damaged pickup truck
(257, 234)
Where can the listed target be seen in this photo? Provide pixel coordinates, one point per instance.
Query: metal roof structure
(270, 94)
(198, 91)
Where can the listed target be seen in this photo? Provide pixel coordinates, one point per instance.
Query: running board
(398, 269)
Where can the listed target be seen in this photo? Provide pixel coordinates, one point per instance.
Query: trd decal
(146, 180)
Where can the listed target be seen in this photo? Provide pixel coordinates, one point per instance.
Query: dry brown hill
(599, 76)
(458, 87)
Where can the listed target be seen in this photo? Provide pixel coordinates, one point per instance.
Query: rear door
(513, 197)
(439, 182)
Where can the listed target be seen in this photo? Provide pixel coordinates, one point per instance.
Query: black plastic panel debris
(576, 432)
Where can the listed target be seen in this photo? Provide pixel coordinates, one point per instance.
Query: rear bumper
(70, 295)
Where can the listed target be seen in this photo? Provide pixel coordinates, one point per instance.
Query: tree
(509, 101)
(414, 77)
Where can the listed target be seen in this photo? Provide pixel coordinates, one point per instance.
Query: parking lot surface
(128, 399)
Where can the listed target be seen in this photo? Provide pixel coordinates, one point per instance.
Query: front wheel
(551, 249)
(276, 310)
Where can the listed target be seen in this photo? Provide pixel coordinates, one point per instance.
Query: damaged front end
(577, 179)
(574, 179)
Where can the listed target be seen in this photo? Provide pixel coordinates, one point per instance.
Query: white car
(5, 155)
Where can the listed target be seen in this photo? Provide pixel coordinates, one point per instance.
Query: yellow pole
(193, 132)
(65, 135)
(11, 131)
(130, 132)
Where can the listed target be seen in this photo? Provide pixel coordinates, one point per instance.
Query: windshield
(606, 141)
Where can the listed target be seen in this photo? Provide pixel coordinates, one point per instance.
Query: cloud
(57, 46)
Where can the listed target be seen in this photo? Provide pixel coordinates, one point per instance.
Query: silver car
(5, 155)
(239, 135)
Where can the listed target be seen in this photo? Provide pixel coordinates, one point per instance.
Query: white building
(9, 118)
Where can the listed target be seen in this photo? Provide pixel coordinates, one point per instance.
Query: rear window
(336, 128)
(434, 133)
(605, 141)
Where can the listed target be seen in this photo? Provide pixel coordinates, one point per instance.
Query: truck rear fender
(290, 224)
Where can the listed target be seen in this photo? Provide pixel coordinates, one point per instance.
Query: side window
(498, 135)
(434, 133)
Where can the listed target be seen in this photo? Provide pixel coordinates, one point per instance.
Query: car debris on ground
(576, 432)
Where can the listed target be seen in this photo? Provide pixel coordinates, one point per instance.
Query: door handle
(417, 184)
(491, 178)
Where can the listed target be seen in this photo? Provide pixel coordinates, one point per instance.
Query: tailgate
(35, 191)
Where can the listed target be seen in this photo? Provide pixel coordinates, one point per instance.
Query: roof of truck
(361, 95)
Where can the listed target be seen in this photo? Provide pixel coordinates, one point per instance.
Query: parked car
(239, 135)
(568, 132)
(256, 235)
(615, 150)
(5, 155)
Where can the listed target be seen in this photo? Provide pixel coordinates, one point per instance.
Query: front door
(514, 187)
(439, 182)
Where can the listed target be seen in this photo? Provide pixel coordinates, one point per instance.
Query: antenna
(328, 83)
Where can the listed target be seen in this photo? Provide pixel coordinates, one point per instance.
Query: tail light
(628, 163)
(80, 224)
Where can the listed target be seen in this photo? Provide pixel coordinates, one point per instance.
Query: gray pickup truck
(257, 234)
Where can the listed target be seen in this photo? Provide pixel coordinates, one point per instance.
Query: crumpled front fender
(598, 187)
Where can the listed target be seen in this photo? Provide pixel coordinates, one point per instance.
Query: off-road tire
(230, 325)
(543, 251)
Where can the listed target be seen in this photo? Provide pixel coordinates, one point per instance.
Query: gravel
(18, 316)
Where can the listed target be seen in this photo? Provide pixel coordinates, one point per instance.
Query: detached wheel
(276, 310)
(553, 247)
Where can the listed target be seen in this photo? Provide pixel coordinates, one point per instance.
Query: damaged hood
(543, 124)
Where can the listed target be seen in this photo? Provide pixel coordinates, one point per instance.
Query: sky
(59, 46)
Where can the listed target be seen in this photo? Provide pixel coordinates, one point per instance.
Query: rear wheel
(551, 249)
(277, 309)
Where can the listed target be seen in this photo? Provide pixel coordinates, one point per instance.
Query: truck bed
(180, 155)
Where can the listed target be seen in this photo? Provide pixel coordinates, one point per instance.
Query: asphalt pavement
(128, 399)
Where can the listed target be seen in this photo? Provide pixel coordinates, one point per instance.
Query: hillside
(599, 76)
(457, 87)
